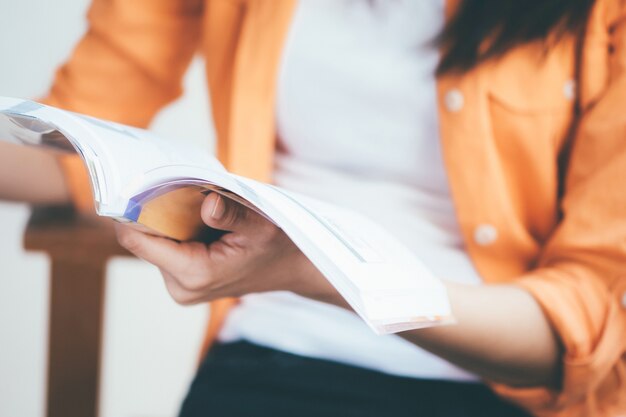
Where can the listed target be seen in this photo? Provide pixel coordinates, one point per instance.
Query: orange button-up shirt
(540, 194)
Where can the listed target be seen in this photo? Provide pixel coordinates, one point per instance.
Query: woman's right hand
(31, 175)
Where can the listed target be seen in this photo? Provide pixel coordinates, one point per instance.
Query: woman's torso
(358, 126)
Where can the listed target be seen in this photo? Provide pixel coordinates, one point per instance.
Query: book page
(377, 275)
(133, 159)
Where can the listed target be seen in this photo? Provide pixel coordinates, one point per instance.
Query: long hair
(485, 29)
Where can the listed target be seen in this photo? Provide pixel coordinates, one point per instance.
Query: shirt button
(454, 100)
(569, 89)
(485, 234)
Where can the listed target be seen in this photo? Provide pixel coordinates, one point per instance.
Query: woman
(499, 159)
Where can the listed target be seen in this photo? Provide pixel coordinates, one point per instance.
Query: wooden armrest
(79, 248)
(61, 232)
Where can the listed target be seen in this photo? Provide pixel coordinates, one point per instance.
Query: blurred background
(150, 343)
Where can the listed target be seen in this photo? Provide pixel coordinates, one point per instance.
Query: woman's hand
(501, 334)
(256, 256)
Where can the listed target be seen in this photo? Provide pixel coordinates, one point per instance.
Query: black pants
(242, 379)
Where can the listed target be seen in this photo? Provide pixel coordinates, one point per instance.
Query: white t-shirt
(358, 126)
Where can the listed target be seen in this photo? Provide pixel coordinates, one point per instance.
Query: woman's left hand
(256, 256)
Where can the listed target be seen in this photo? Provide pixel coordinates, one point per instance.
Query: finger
(190, 269)
(159, 251)
(178, 293)
(223, 213)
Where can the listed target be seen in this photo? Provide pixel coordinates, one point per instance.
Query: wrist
(309, 282)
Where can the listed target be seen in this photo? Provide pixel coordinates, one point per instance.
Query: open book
(159, 185)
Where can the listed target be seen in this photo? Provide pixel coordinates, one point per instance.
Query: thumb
(223, 213)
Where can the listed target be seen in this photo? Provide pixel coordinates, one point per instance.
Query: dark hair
(486, 29)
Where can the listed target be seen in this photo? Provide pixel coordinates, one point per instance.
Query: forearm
(31, 175)
(501, 335)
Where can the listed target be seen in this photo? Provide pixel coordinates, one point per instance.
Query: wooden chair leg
(78, 247)
(75, 333)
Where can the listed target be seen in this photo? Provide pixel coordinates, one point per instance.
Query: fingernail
(218, 208)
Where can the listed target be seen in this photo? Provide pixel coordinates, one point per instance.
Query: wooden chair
(79, 249)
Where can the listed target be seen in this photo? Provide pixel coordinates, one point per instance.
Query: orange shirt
(539, 204)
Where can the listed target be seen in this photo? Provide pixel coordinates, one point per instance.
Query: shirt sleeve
(580, 282)
(127, 66)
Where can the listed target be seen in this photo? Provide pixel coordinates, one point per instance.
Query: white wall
(150, 342)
